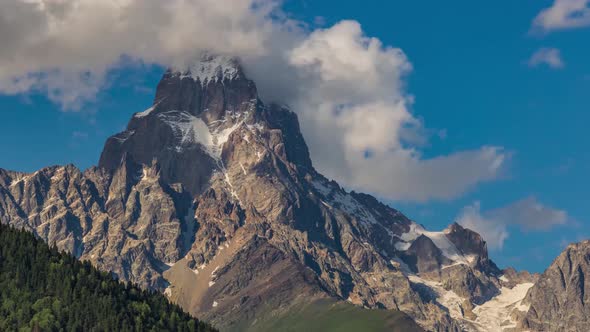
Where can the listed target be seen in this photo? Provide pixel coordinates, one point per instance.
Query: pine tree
(42, 289)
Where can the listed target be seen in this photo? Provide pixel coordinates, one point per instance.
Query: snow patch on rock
(124, 136)
(145, 113)
(440, 239)
(337, 198)
(321, 188)
(494, 315)
(213, 69)
(193, 130)
(446, 298)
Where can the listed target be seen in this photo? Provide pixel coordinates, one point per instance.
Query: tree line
(43, 289)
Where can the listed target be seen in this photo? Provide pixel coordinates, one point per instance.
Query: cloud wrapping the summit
(348, 88)
(65, 47)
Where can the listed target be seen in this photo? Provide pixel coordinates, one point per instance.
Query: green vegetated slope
(331, 316)
(42, 289)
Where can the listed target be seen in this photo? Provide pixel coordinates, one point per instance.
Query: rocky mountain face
(210, 196)
(559, 300)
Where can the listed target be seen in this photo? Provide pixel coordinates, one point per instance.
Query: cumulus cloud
(564, 14)
(547, 56)
(493, 231)
(65, 47)
(528, 214)
(347, 88)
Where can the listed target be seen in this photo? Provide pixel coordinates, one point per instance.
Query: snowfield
(494, 315)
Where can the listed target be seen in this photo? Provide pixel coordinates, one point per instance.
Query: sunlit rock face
(211, 197)
(559, 300)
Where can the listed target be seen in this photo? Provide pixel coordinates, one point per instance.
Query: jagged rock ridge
(559, 300)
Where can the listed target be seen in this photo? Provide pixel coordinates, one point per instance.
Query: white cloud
(493, 231)
(352, 103)
(547, 56)
(65, 47)
(531, 215)
(347, 88)
(564, 14)
(528, 214)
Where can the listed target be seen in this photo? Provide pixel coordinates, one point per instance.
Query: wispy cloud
(563, 14)
(78, 139)
(79, 135)
(528, 214)
(550, 57)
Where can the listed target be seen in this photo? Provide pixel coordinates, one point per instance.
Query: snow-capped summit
(213, 68)
(193, 115)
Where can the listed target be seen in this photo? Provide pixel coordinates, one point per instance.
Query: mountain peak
(559, 299)
(213, 68)
(210, 194)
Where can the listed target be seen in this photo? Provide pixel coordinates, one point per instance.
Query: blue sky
(472, 79)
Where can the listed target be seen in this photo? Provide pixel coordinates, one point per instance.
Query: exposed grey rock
(469, 283)
(471, 243)
(559, 301)
(511, 277)
(424, 256)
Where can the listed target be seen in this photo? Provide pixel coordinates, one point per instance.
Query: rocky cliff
(210, 196)
(559, 300)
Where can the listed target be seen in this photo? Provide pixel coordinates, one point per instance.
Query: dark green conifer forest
(42, 289)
